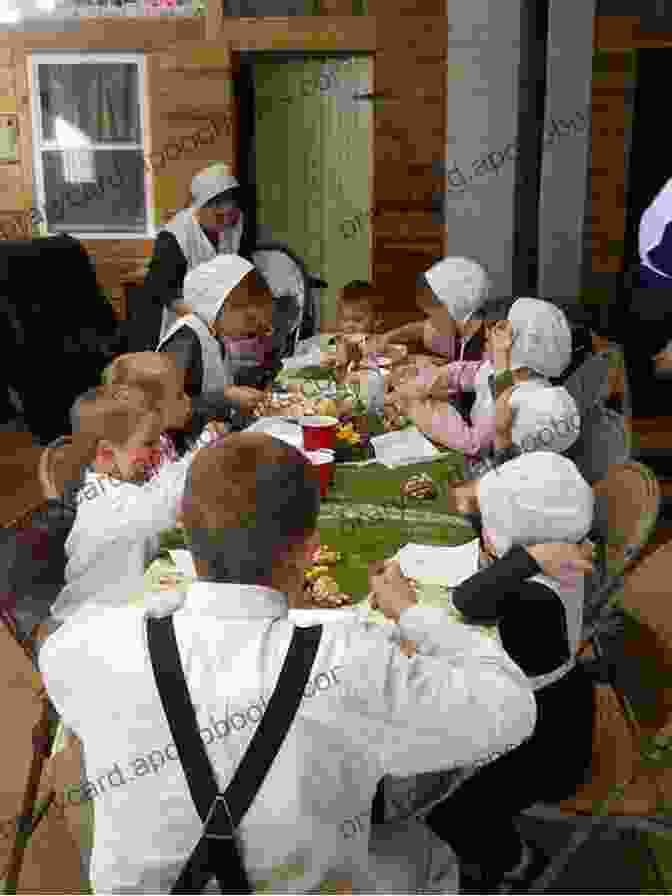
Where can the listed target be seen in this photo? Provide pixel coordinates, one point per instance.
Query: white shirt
(367, 711)
(652, 224)
(115, 536)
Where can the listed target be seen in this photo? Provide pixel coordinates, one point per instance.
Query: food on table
(420, 486)
(393, 418)
(346, 433)
(327, 408)
(294, 405)
(325, 555)
(319, 587)
(323, 590)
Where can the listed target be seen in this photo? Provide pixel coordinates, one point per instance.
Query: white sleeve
(145, 511)
(459, 702)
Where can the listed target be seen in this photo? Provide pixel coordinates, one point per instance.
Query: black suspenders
(216, 853)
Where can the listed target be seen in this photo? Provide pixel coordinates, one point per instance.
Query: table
(364, 518)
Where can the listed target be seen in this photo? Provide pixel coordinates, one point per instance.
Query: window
(88, 132)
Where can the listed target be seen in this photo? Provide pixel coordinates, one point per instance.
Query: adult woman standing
(211, 225)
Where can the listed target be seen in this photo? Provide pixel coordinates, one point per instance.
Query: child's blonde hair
(149, 371)
(113, 413)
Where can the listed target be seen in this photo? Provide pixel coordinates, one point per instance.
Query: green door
(313, 153)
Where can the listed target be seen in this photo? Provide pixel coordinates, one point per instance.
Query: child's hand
(391, 591)
(375, 345)
(564, 562)
(408, 648)
(245, 396)
(501, 337)
(504, 414)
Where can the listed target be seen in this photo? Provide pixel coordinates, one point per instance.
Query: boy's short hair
(113, 413)
(246, 501)
(149, 371)
(358, 291)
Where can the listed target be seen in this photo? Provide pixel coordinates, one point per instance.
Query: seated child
(119, 512)
(536, 498)
(534, 345)
(232, 303)
(184, 418)
(452, 294)
(357, 320)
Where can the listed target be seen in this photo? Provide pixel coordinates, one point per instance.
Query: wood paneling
(114, 34)
(625, 33)
(355, 33)
(194, 77)
(409, 141)
(607, 165)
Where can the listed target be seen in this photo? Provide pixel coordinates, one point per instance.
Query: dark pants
(647, 328)
(478, 820)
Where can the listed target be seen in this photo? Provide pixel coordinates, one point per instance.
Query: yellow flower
(341, 435)
(355, 439)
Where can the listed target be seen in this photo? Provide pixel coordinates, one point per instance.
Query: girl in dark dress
(538, 497)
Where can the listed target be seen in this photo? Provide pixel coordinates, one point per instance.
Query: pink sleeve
(437, 344)
(459, 376)
(444, 424)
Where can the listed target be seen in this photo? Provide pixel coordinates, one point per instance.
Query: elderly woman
(539, 497)
(231, 302)
(211, 225)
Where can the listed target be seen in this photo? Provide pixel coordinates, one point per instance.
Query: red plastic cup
(323, 464)
(319, 433)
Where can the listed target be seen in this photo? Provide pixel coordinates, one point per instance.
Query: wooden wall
(615, 38)
(185, 73)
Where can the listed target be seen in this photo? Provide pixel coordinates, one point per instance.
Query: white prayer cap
(460, 284)
(545, 418)
(537, 497)
(207, 286)
(542, 338)
(210, 183)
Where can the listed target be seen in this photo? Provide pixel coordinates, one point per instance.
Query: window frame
(82, 58)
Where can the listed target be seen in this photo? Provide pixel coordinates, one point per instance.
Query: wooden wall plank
(113, 34)
(618, 33)
(409, 140)
(607, 165)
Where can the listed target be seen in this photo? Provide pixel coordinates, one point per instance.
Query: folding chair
(630, 787)
(42, 737)
(626, 511)
(45, 574)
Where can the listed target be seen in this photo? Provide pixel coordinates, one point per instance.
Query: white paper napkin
(184, 562)
(438, 564)
(290, 433)
(398, 449)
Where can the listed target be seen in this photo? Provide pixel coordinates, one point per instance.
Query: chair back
(647, 640)
(51, 468)
(626, 511)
